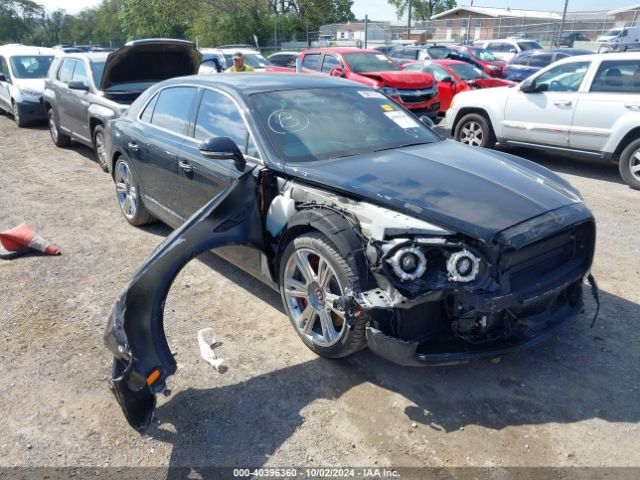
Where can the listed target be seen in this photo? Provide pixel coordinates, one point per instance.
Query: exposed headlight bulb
(408, 263)
(463, 266)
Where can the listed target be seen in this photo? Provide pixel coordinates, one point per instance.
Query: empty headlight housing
(408, 263)
(463, 266)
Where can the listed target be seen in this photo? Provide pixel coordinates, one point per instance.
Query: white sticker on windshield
(402, 119)
(370, 94)
(382, 57)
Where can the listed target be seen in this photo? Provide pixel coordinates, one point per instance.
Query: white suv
(587, 105)
(509, 48)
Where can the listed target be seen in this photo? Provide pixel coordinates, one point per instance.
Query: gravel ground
(570, 402)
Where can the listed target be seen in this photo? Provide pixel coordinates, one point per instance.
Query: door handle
(185, 166)
(632, 106)
(133, 146)
(563, 103)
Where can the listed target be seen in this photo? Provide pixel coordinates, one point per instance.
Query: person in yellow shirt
(238, 64)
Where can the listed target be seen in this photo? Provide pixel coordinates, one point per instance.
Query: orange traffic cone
(21, 239)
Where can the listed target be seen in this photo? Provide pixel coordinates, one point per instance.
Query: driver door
(544, 117)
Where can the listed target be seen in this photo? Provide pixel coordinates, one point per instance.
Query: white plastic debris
(206, 340)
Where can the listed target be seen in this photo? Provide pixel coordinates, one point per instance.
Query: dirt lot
(570, 402)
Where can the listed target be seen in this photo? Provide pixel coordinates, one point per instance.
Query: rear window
(439, 53)
(483, 54)
(30, 66)
(524, 46)
(621, 76)
(172, 109)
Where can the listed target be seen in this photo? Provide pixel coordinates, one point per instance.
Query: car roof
(284, 53)
(599, 56)
(90, 56)
(342, 50)
(17, 49)
(448, 62)
(257, 82)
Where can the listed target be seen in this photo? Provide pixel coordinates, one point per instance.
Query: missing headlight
(463, 266)
(408, 263)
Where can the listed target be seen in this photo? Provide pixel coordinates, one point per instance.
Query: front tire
(474, 129)
(16, 115)
(313, 274)
(59, 139)
(99, 147)
(128, 193)
(629, 164)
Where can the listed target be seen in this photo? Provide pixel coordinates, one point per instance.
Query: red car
(492, 65)
(453, 77)
(415, 90)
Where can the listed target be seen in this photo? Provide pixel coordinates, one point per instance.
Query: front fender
(135, 332)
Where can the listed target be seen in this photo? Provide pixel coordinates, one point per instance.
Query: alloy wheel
(472, 134)
(310, 289)
(16, 113)
(634, 164)
(126, 190)
(100, 150)
(53, 129)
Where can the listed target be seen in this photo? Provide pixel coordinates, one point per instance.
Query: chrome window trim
(192, 139)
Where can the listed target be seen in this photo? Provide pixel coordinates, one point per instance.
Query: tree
(157, 18)
(18, 19)
(422, 9)
(52, 24)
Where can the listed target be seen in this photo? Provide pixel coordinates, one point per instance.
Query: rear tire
(629, 164)
(98, 147)
(59, 139)
(312, 275)
(474, 129)
(128, 193)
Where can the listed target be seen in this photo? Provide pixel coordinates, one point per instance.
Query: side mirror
(336, 72)
(426, 121)
(79, 86)
(447, 80)
(222, 148)
(528, 86)
(3, 78)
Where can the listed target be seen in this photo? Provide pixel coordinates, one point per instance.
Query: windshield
(30, 66)
(319, 124)
(483, 54)
(439, 52)
(467, 72)
(370, 62)
(97, 69)
(614, 32)
(529, 46)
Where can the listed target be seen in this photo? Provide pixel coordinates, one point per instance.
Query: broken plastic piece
(206, 340)
(22, 239)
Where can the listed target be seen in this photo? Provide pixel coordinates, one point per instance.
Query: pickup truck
(85, 90)
(416, 91)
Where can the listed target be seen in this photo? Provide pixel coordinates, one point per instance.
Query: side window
(310, 61)
(148, 110)
(80, 74)
(218, 116)
(4, 67)
(66, 70)
(622, 76)
(563, 78)
(560, 56)
(173, 108)
(522, 61)
(330, 62)
(540, 60)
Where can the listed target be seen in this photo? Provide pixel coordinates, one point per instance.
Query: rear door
(154, 149)
(201, 178)
(544, 117)
(331, 61)
(613, 93)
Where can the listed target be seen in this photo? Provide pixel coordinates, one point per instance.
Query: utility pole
(409, 23)
(564, 17)
(366, 28)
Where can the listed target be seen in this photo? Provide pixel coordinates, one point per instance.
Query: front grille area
(417, 96)
(544, 264)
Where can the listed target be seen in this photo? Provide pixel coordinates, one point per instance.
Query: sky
(381, 10)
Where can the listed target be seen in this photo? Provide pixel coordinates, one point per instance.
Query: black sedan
(376, 231)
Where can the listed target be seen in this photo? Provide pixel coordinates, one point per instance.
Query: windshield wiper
(401, 146)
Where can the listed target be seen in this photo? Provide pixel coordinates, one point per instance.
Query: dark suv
(85, 90)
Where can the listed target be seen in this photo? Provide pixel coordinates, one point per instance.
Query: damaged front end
(442, 296)
(135, 332)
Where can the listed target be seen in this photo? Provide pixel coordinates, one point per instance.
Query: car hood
(471, 190)
(489, 82)
(150, 61)
(401, 79)
(36, 84)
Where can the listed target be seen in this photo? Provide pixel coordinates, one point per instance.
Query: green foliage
(422, 9)
(18, 19)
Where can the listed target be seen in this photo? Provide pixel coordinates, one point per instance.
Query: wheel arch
(337, 228)
(93, 123)
(629, 137)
